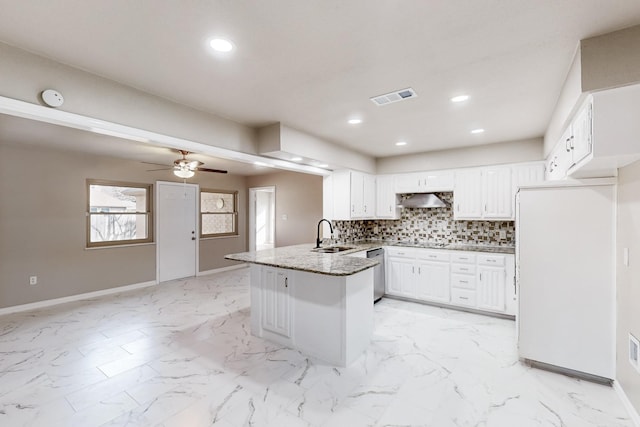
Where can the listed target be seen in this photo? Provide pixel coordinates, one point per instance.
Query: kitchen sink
(333, 249)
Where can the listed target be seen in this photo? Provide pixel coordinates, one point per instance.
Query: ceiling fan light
(183, 173)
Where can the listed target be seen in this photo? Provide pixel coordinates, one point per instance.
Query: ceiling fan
(184, 168)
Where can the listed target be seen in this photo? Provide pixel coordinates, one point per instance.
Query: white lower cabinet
(483, 281)
(432, 280)
(400, 277)
(491, 288)
(276, 315)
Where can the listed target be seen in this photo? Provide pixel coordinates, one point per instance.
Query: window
(218, 213)
(118, 213)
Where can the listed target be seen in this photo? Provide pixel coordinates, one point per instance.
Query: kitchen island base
(324, 316)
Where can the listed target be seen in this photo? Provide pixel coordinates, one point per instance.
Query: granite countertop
(303, 258)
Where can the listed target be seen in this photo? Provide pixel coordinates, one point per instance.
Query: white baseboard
(221, 269)
(56, 301)
(633, 413)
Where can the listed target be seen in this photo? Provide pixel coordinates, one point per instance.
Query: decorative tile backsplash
(432, 225)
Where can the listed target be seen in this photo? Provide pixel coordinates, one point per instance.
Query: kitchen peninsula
(318, 303)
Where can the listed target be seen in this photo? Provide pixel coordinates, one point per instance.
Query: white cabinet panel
(276, 314)
(467, 196)
(400, 277)
(386, 204)
(368, 196)
(491, 288)
(425, 182)
(497, 192)
(581, 143)
(433, 281)
(463, 297)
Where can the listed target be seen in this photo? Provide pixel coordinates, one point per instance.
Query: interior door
(176, 230)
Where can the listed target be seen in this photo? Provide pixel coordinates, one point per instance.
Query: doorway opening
(262, 218)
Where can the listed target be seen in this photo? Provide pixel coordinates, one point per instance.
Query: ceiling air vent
(399, 95)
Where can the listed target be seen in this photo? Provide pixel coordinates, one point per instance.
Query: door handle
(193, 238)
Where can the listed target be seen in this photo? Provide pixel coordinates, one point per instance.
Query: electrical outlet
(33, 280)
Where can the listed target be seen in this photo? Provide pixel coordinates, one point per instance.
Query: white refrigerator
(565, 275)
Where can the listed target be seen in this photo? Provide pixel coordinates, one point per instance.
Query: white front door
(177, 235)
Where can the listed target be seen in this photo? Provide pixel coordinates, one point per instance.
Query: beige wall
(628, 278)
(492, 154)
(43, 225)
(611, 60)
(25, 76)
(299, 197)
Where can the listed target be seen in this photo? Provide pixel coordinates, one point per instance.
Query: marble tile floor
(181, 354)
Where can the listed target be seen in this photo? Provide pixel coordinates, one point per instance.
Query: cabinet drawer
(434, 255)
(495, 260)
(463, 281)
(463, 268)
(400, 252)
(463, 297)
(463, 258)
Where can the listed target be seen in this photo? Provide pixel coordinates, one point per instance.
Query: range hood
(422, 200)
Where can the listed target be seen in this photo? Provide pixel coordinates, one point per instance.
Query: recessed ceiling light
(221, 45)
(296, 159)
(477, 131)
(323, 165)
(355, 121)
(260, 164)
(460, 98)
(401, 143)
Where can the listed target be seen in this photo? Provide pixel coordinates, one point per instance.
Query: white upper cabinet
(349, 195)
(424, 182)
(575, 145)
(467, 195)
(484, 193)
(386, 203)
(497, 193)
(582, 135)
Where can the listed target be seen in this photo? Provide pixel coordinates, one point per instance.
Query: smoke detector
(398, 95)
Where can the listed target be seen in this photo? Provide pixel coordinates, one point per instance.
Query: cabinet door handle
(413, 270)
(464, 297)
(464, 269)
(419, 270)
(481, 277)
(463, 281)
(286, 282)
(571, 143)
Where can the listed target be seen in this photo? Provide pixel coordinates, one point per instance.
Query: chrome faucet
(318, 240)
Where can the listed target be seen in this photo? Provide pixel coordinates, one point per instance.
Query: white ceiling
(313, 64)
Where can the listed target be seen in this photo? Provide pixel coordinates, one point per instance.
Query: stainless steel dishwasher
(378, 273)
